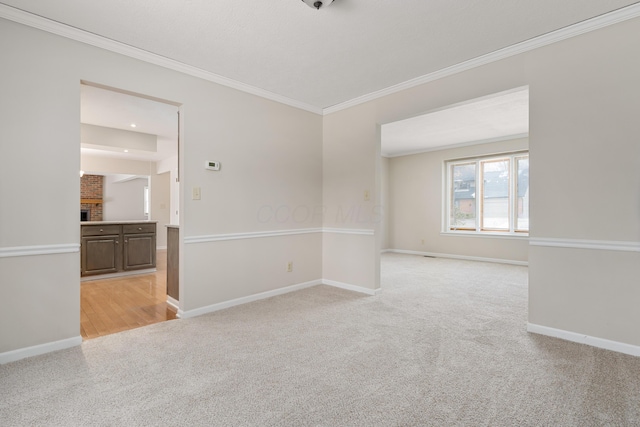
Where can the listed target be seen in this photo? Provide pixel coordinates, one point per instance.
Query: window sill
(485, 234)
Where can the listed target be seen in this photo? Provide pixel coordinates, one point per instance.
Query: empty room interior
(348, 212)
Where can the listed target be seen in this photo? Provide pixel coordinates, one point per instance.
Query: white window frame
(146, 196)
(447, 227)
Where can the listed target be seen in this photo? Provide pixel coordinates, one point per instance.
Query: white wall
(170, 165)
(271, 156)
(585, 175)
(99, 137)
(415, 211)
(161, 206)
(583, 149)
(385, 196)
(351, 159)
(110, 165)
(124, 200)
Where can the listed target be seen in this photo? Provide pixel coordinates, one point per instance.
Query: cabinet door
(100, 255)
(139, 251)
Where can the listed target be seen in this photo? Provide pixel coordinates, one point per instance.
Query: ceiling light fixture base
(317, 4)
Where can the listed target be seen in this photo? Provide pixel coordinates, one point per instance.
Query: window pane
(522, 191)
(463, 197)
(495, 202)
(146, 200)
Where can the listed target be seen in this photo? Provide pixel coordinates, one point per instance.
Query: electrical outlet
(422, 241)
(289, 266)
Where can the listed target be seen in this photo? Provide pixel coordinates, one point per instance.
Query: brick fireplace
(91, 188)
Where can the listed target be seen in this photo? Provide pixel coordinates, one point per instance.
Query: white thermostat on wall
(212, 166)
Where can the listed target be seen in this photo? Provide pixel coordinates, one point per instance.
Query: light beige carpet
(443, 344)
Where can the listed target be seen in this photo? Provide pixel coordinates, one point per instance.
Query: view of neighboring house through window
(488, 194)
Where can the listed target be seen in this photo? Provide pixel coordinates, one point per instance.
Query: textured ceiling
(491, 118)
(117, 110)
(320, 58)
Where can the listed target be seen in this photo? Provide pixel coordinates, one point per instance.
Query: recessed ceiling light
(133, 125)
(126, 151)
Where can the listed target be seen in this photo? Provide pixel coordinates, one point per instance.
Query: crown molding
(53, 27)
(617, 16)
(457, 145)
(31, 20)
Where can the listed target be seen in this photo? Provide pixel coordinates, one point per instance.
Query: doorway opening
(431, 209)
(130, 198)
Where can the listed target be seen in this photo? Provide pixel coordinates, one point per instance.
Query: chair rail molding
(17, 251)
(274, 233)
(604, 245)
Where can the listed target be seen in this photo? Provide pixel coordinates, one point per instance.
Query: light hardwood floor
(113, 305)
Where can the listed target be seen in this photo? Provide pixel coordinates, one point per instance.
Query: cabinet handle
(117, 242)
(101, 230)
(126, 241)
(139, 228)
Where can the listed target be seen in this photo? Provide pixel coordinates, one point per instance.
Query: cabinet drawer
(138, 228)
(100, 230)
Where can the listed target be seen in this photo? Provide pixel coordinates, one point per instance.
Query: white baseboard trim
(349, 287)
(36, 350)
(268, 294)
(616, 346)
(173, 303)
(244, 300)
(161, 248)
(462, 257)
(384, 251)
